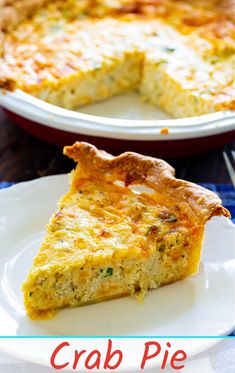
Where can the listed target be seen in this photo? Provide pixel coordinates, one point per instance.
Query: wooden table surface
(24, 157)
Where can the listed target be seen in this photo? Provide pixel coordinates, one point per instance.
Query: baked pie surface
(180, 55)
(125, 226)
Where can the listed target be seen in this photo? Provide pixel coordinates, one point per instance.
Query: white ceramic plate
(202, 305)
(122, 117)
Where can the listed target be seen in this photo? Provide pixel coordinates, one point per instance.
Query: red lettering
(146, 352)
(96, 363)
(110, 355)
(175, 358)
(77, 356)
(165, 357)
(54, 354)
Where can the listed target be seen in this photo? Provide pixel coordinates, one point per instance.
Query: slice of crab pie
(125, 226)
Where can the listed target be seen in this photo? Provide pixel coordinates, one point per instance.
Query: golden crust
(133, 168)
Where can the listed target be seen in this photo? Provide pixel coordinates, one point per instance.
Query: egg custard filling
(125, 226)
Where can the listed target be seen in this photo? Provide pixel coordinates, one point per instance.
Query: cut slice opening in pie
(125, 226)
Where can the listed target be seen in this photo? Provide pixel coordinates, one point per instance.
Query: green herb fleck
(214, 60)
(160, 62)
(109, 272)
(57, 27)
(169, 49)
(31, 293)
(171, 218)
(84, 14)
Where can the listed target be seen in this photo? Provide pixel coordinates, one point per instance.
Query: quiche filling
(179, 55)
(109, 239)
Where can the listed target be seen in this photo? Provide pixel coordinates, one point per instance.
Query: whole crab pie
(125, 226)
(179, 55)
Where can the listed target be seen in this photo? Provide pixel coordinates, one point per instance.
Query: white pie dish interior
(123, 117)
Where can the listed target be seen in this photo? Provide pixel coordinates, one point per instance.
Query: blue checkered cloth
(227, 195)
(225, 191)
(5, 184)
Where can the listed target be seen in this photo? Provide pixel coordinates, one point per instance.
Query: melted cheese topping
(99, 221)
